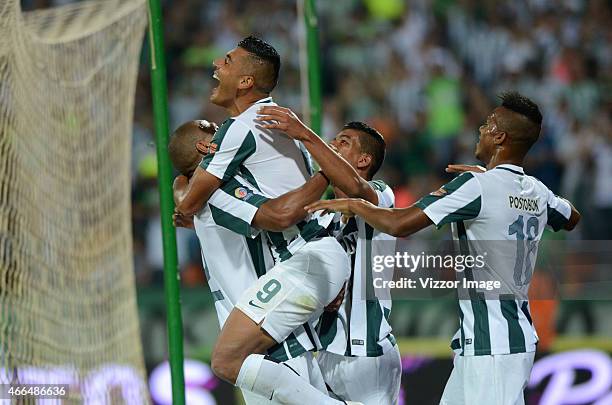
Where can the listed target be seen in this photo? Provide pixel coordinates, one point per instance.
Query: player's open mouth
(216, 77)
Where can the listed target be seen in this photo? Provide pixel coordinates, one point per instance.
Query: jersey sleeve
(386, 198)
(234, 205)
(458, 200)
(235, 143)
(558, 211)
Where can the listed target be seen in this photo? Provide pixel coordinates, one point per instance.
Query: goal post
(171, 271)
(310, 64)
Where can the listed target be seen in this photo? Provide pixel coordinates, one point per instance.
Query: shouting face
(230, 73)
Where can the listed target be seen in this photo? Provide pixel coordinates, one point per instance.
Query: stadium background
(425, 73)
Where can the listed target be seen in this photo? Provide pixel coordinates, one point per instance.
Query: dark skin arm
(287, 210)
(397, 222)
(191, 196)
(276, 214)
(573, 220)
(341, 174)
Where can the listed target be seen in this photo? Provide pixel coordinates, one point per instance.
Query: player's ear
(364, 161)
(246, 82)
(499, 137)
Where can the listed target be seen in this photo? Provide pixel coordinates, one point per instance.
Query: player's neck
(242, 103)
(501, 158)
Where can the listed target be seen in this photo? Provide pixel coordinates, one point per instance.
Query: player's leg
(283, 299)
(308, 369)
(369, 380)
(454, 390)
(335, 372)
(235, 360)
(512, 373)
(493, 379)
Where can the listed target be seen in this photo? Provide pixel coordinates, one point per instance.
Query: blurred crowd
(424, 72)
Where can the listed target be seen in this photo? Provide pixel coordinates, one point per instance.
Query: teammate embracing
(311, 266)
(360, 360)
(235, 254)
(496, 340)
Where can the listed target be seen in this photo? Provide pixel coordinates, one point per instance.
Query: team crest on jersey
(241, 192)
(439, 192)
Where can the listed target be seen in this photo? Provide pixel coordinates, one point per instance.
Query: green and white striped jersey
(271, 161)
(273, 164)
(501, 215)
(235, 256)
(361, 325)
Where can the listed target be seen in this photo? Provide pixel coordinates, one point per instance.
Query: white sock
(276, 381)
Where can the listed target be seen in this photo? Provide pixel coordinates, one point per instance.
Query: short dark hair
(182, 146)
(526, 131)
(520, 104)
(263, 54)
(372, 142)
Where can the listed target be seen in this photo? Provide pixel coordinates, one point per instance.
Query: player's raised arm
(340, 172)
(287, 210)
(397, 222)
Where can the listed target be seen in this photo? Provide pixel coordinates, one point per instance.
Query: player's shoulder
(536, 181)
(378, 185)
(540, 188)
(464, 180)
(386, 197)
(248, 116)
(234, 126)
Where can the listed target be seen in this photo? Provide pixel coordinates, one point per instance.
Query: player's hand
(464, 168)
(341, 205)
(282, 119)
(207, 126)
(335, 304)
(206, 148)
(180, 220)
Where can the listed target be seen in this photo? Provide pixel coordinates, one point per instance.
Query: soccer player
(360, 361)
(496, 341)
(234, 256)
(311, 266)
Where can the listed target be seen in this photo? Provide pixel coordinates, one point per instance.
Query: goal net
(68, 310)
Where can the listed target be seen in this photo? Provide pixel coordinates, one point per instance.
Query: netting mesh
(67, 297)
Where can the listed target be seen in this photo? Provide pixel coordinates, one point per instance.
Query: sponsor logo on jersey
(241, 192)
(522, 203)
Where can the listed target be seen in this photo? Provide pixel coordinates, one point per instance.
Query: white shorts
(493, 380)
(295, 290)
(370, 380)
(306, 366)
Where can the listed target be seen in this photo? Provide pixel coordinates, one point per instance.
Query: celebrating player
(496, 341)
(229, 242)
(360, 360)
(312, 266)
